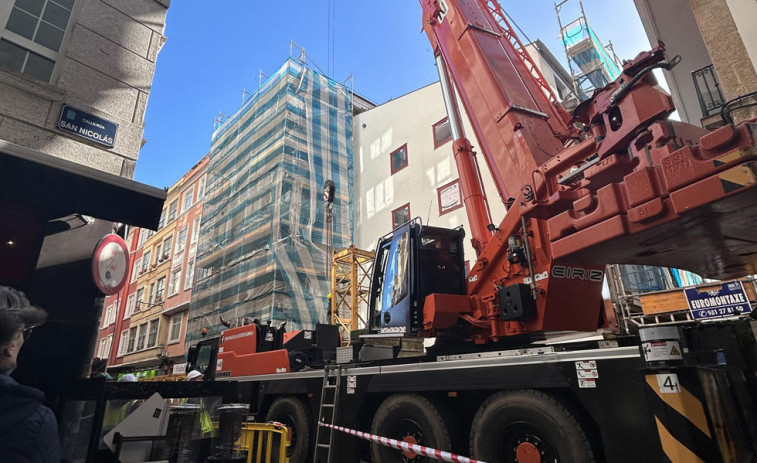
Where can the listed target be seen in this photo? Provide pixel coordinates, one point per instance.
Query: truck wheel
(414, 419)
(528, 426)
(293, 413)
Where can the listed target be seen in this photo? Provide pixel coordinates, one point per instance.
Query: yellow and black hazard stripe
(682, 423)
(738, 177)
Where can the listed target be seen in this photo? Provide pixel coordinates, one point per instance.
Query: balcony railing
(708, 90)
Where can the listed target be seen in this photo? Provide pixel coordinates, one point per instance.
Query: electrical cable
(727, 109)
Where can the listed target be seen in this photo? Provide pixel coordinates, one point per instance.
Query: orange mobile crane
(615, 182)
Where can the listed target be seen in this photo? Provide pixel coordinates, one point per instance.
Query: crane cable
(330, 37)
(538, 50)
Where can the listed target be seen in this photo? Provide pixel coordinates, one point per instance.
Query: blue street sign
(87, 125)
(729, 300)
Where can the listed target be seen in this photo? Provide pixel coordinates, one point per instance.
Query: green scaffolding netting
(263, 241)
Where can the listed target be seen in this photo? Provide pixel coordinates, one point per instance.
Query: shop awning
(59, 188)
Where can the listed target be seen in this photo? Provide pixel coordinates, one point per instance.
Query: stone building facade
(717, 42)
(75, 77)
(97, 56)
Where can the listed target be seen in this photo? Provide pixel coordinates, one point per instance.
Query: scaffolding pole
(350, 288)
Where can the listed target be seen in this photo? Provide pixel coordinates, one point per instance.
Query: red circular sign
(110, 264)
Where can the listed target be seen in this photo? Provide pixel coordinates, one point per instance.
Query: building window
(188, 198)
(106, 344)
(172, 210)
(160, 289)
(109, 315)
(130, 301)
(141, 336)
(136, 269)
(162, 221)
(399, 158)
(123, 342)
(101, 352)
(151, 295)
(188, 276)
(158, 254)
(175, 329)
(401, 215)
(708, 90)
(442, 132)
(140, 299)
(182, 241)
(132, 339)
(201, 188)
(146, 260)
(449, 197)
(153, 337)
(142, 236)
(105, 317)
(167, 248)
(195, 230)
(33, 35)
(173, 285)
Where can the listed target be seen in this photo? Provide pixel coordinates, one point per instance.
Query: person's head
(194, 375)
(17, 319)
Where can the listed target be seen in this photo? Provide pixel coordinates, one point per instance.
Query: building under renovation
(265, 239)
(592, 65)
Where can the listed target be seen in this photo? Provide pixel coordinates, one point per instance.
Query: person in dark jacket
(28, 429)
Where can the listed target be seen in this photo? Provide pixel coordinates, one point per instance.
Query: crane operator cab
(412, 262)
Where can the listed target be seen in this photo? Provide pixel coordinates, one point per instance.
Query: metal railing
(708, 90)
(265, 442)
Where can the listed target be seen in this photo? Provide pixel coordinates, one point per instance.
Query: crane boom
(625, 189)
(516, 124)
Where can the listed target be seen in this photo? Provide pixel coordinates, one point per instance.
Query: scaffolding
(263, 241)
(633, 286)
(350, 289)
(592, 65)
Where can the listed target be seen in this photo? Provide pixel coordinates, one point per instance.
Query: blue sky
(215, 50)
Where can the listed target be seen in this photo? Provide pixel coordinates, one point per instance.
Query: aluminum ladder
(327, 413)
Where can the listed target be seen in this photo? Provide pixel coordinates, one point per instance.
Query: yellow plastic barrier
(260, 438)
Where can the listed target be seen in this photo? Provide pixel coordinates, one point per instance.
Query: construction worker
(127, 378)
(206, 423)
(194, 375)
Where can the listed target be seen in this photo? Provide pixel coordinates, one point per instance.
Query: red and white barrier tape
(406, 446)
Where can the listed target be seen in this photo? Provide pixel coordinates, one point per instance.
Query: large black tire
(409, 416)
(529, 422)
(293, 413)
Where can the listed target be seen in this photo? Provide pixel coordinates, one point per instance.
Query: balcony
(708, 90)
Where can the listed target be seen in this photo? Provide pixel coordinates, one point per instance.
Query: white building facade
(405, 165)
(405, 168)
